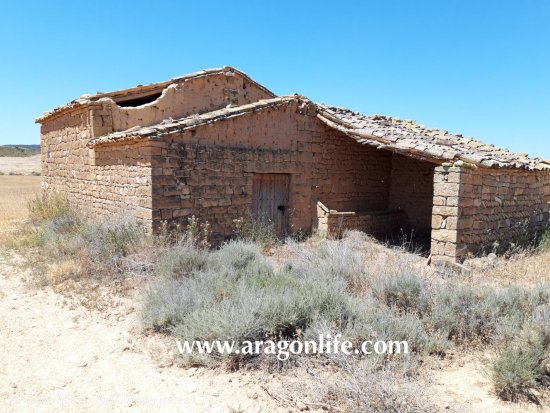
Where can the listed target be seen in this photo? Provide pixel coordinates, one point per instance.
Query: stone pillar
(445, 212)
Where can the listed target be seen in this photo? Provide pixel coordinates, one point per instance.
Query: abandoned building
(219, 146)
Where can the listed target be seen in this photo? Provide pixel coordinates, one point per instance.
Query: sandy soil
(59, 357)
(464, 384)
(20, 165)
(55, 358)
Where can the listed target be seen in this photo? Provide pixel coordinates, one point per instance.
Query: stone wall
(108, 183)
(349, 176)
(476, 209)
(208, 171)
(412, 190)
(445, 211)
(333, 223)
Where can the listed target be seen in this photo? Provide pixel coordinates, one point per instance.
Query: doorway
(270, 201)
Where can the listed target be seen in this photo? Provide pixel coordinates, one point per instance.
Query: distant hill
(19, 150)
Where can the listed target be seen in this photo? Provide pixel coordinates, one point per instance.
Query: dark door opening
(270, 201)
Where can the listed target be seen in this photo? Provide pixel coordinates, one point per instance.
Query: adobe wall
(411, 191)
(477, 209)
(116, 182)
(207, 172)
(179, 100)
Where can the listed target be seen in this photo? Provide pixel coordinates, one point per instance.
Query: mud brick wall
(178, 100)
(411, 191)
(474, 208)
(104, 183)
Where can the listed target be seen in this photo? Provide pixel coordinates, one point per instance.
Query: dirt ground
(57, 356)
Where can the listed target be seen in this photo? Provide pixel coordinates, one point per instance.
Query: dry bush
(527, 267)
(352, 286)
(520, 367)
(46, 207)
(235, 293)
(257, 230)
(362, 388)
(237, 296)
(90, 262)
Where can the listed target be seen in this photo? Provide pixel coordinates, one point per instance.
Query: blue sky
(480, 68)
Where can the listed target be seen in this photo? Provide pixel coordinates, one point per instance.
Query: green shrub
(181, 260)
(48, 206)
(259, 230)
(459, 313)
(406, 292)
(544, 242)
(518, 369)
(234, 293)
(238, 296)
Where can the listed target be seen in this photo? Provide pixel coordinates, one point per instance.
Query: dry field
(20, 165)
(15, 192)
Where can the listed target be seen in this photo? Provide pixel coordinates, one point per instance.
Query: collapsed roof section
(146, 94)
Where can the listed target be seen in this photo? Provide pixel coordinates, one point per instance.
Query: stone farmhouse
(219, 146)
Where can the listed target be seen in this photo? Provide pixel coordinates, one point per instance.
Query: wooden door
(270, 201)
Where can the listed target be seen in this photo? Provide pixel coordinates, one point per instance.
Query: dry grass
(354, 286)
(525, 268)
(20, 165)
(15, 193)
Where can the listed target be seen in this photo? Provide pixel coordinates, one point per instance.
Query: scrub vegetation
(353, 286)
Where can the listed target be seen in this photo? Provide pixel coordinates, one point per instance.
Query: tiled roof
(410, 138)
(383, 132)
(170, 125)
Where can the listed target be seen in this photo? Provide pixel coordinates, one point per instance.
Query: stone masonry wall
(502, 207)
(207, 172)
(477, 209)
(445, 212)
(332, 223)
(411, 191)
(116, 182)
(349, 176)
